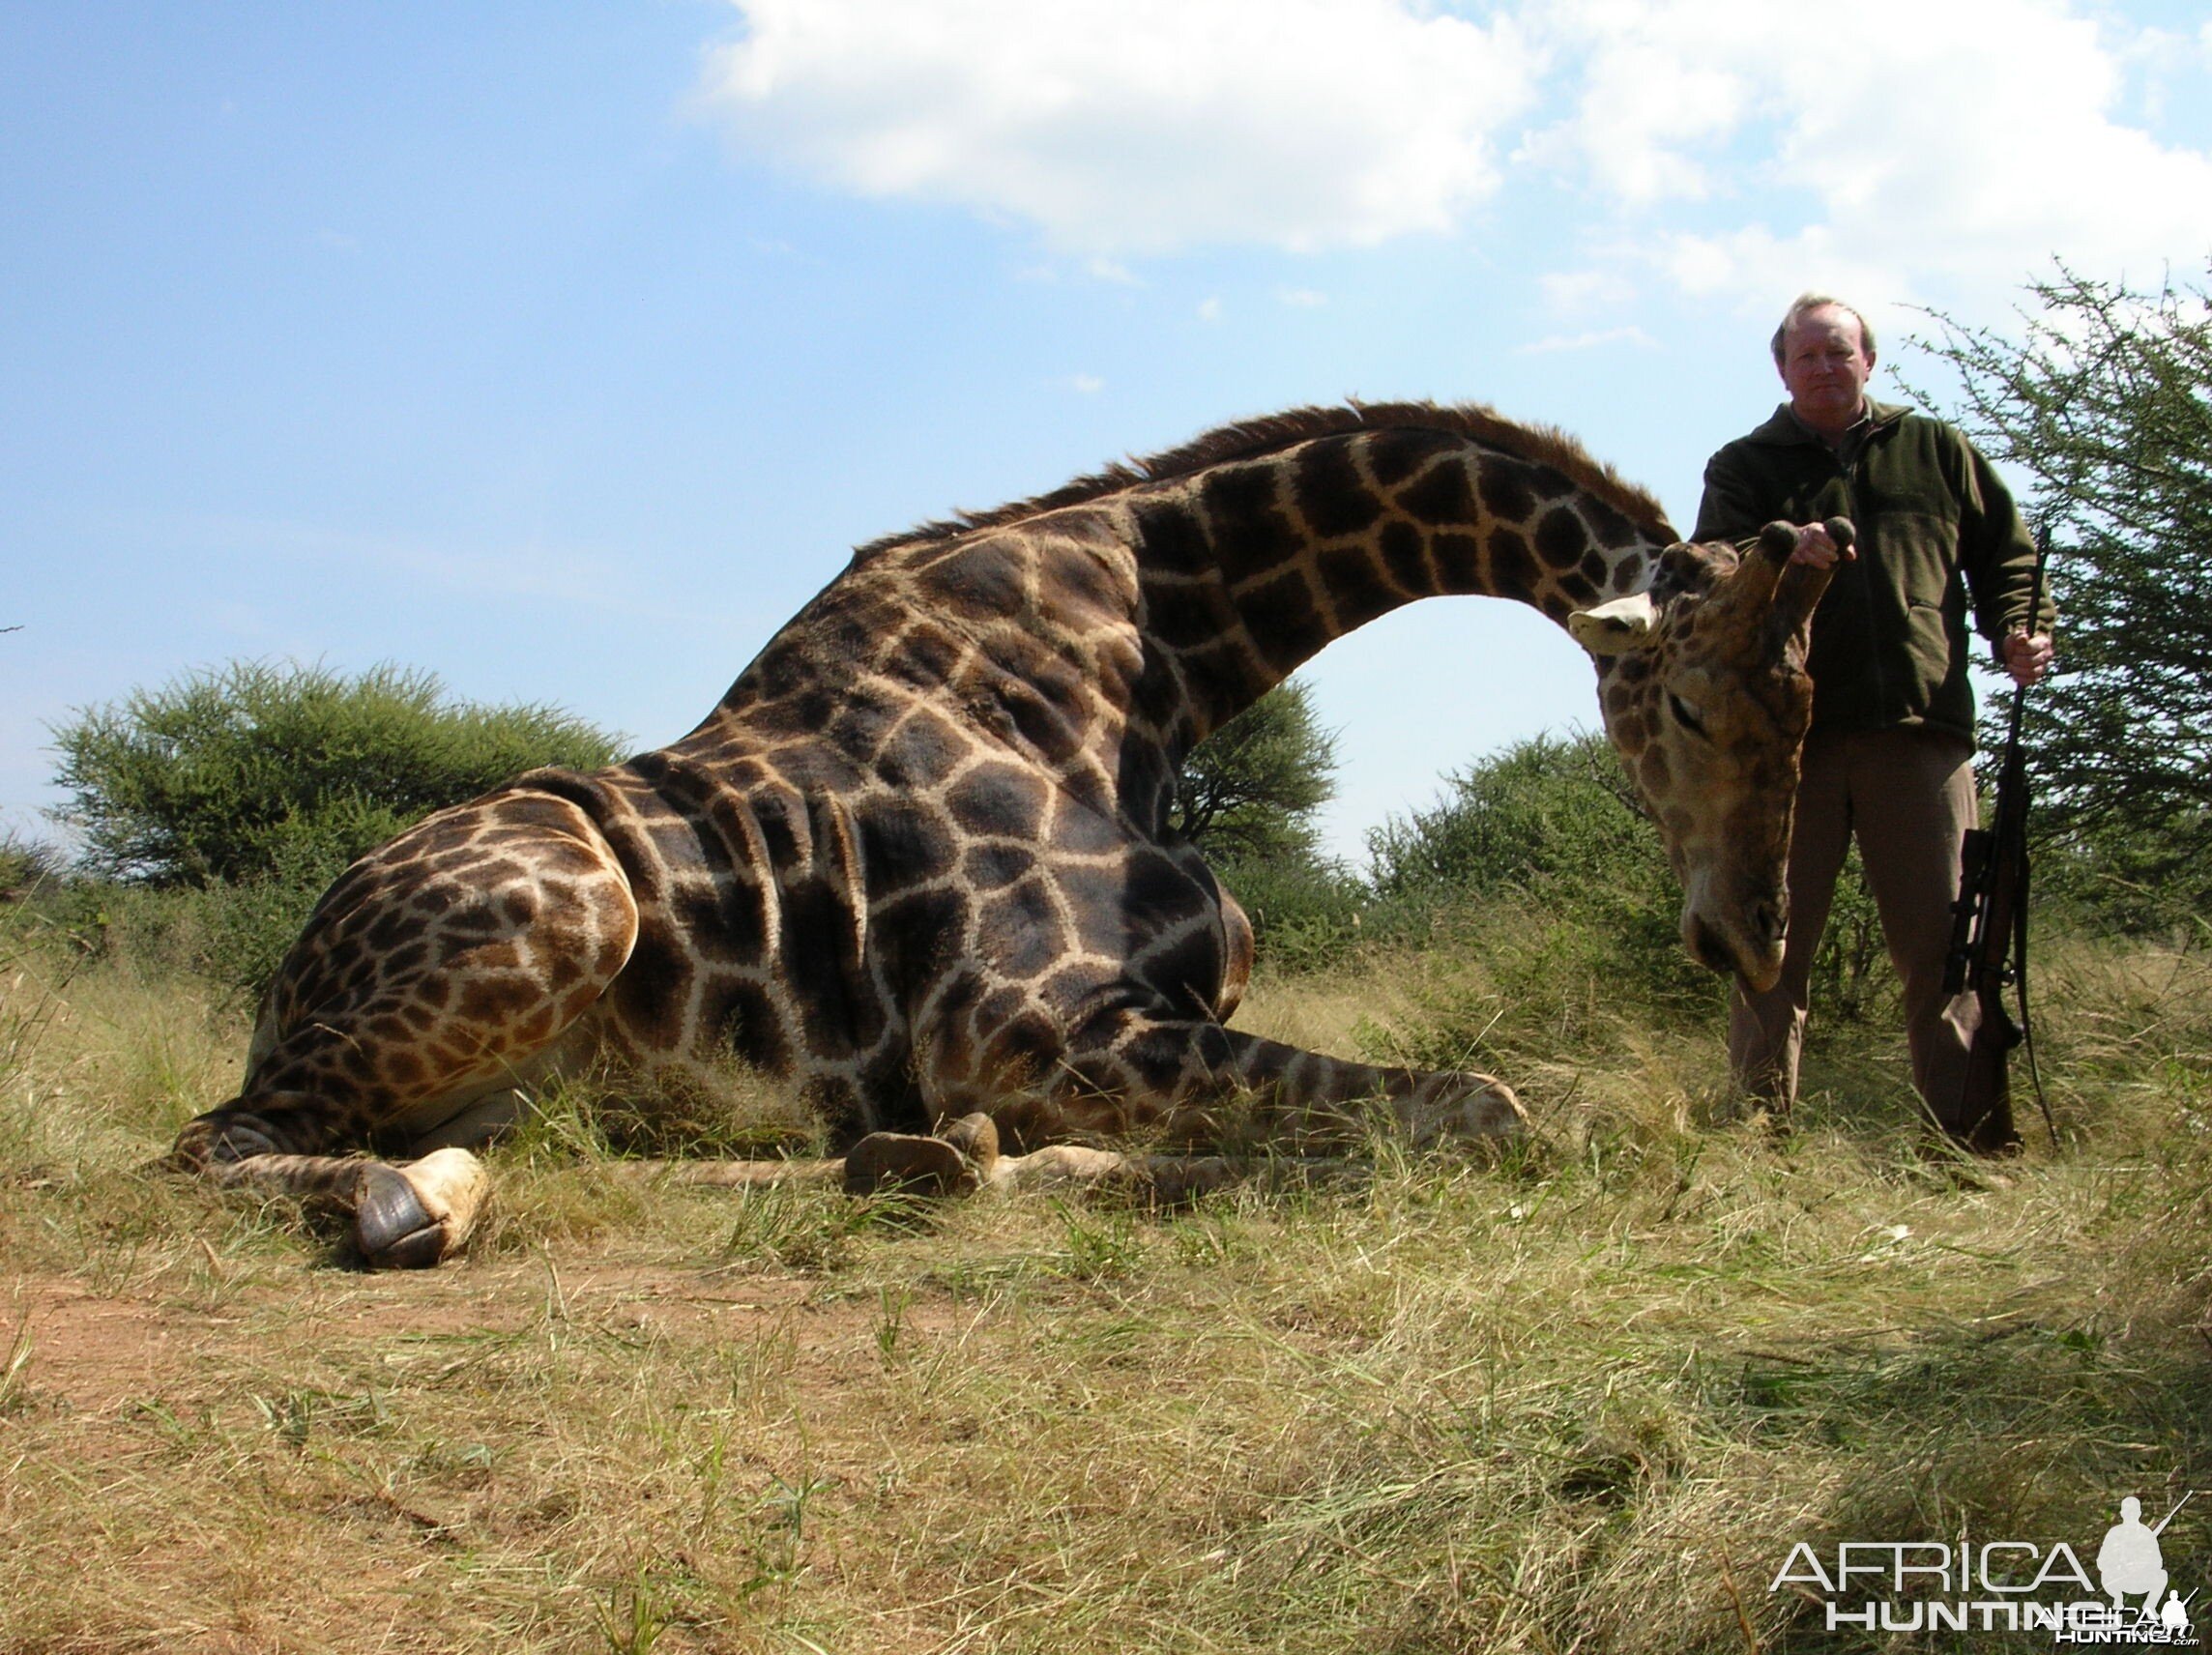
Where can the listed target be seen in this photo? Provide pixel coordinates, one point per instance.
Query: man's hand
(1816, 547)
(2026, 656)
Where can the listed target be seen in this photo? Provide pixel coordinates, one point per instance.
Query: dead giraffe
(917, 860)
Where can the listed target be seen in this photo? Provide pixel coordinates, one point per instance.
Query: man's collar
(1842, 439)
(1786, 428)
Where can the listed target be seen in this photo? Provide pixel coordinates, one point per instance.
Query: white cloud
(1209, 309)
(1300, 298)
(1084, 384)
(1911, 152)
(1135, 126)
(1735, 150)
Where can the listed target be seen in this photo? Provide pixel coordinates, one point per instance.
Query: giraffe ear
(1615, 628)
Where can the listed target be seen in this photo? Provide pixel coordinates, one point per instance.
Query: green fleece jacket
(1936, 525)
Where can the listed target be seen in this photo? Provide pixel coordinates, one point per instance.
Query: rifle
(1989, 935)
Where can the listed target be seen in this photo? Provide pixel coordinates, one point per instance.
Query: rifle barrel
(2169, 1515)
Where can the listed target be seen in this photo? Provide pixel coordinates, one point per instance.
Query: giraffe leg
(432, 977)
(408, 1214)
(1133, 1070)
(958, 1160)
(1158, 1180)
(1182, 1079)
(964, 1159)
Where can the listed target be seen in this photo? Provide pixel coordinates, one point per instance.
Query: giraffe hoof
(977, 1138)
(916, 1166)
(391, 1229)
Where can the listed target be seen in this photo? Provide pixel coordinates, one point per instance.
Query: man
(1889, 758)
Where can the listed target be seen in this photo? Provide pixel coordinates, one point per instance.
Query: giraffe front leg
(964, 1159)
(1186, 1078)
(958, 1160)
(1129, 1072)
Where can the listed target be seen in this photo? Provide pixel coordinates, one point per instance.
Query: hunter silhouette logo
(2129, 1562)
(2004, 1585)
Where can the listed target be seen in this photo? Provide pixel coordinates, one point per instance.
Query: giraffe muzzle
(1753, 954)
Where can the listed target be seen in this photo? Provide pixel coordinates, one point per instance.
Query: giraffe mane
(1245, 439)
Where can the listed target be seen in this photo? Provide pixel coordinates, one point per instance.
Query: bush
(1306, 911)
(1550, 808)
(261, 771)
(1539, 863)
(27, 867)
(2129, 877)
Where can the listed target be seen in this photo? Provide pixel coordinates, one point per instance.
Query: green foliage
(1305, 910)
(2133, 876)
(1539, 863)
(260, 770)
(26, 866)
(2107, 401)
(1541, 810)
(1851, 979)
(234, 934)
(1247, 797)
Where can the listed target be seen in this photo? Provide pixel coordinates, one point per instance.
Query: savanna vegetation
(1585, 1400)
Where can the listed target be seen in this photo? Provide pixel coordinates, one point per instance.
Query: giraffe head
(1706, 696)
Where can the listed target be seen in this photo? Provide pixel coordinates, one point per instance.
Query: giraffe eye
(1685, 714)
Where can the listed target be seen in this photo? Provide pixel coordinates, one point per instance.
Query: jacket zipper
(1848, 472)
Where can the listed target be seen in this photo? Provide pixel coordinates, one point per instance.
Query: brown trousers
(1907, 796)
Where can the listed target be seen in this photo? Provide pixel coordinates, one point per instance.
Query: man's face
(1825, 365)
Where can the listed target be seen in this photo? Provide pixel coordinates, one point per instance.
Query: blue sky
(563, 350)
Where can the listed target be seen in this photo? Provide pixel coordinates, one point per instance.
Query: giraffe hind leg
(408, 1215)
(432, 977)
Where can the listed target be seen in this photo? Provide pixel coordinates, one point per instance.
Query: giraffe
(917, 860)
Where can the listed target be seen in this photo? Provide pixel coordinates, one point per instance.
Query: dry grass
(1580, 1404)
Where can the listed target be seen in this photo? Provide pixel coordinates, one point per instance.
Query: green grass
(1411, 1404)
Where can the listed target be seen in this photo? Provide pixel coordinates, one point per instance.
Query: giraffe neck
(1250, 568)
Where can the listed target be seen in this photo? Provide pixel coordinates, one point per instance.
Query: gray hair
(1805, 302)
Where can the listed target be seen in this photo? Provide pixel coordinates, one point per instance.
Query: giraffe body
(918, 860)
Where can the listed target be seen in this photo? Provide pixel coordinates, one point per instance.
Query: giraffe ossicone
(917, 860)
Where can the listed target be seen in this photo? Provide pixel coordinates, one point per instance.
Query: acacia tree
(2106, 400)
(1251, 788)
(1247, 796)
(258, 768)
